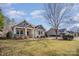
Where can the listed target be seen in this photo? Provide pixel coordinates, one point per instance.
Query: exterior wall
(33, 33)
(37, 33)
(52, 33)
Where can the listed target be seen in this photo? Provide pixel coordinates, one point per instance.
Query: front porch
(21, 32)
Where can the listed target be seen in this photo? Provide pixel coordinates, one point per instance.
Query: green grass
(39, 47)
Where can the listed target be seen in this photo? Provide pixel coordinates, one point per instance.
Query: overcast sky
(33, 14)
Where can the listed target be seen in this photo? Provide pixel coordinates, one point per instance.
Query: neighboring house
(51, 32)
(76, 34)
(7, 27)
(27, 30)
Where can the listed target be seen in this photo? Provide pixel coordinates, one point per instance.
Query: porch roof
(23, 24)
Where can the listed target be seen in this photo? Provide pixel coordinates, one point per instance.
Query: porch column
(33, 33)
(26, 32)
(14, 31)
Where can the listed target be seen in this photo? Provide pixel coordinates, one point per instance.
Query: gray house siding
(39, 31)
(51, 32)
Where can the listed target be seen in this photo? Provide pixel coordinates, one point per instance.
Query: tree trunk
(56, 33)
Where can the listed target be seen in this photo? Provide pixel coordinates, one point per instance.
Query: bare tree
(55, 12)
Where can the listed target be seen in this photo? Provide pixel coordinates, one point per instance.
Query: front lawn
(39, 47)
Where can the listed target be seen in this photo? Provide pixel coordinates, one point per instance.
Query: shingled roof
(40, 27)
(24, 24)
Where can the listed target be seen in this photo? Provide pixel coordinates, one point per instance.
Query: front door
(29, 33)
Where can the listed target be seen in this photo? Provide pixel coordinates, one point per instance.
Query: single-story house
(51, 32)
(27, 30)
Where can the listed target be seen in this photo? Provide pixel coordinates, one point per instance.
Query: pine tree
(1, 19)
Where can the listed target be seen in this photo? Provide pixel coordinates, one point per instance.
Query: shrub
(9, 35)
(67, 36)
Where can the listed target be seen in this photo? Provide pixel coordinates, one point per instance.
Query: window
(39, 32)
(21, 32)
(17, 31)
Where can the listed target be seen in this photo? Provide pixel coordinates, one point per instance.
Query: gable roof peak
(40, 27)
